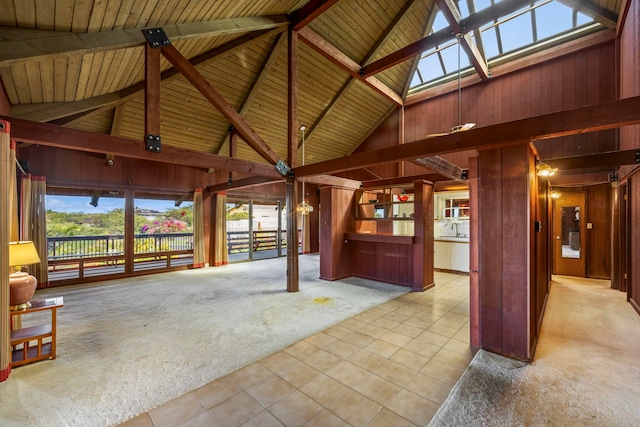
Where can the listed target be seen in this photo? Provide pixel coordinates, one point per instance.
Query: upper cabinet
(451, 205)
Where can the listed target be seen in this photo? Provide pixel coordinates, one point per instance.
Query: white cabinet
(442, 255)
(460, 257)
(451, 256)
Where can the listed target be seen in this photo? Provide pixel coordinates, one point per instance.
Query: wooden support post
(293, 280)
(423, 275)
(152, 91)
(292, 158)
(129, 229)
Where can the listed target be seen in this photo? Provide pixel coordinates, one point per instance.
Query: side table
(31, 339)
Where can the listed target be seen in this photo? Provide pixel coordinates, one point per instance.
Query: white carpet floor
(127, 346)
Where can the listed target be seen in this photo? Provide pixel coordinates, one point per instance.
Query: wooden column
(293, 280)
(423, 277)
(474, 296)
(292, 157)
(337, 216)
(129, 230)
(504, 258)
(152, 91)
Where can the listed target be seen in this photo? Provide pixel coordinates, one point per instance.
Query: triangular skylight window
(539, 25)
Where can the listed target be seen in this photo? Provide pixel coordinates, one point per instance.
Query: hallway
(585, 370)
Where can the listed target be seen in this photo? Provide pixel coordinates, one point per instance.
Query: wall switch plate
(589, 226)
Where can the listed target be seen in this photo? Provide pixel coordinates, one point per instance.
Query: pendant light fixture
(303, 208)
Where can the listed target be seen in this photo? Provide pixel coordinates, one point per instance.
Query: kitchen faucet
(455, 225)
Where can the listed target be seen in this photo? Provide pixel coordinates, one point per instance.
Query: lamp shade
(22, 253)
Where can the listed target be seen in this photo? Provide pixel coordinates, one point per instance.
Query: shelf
(31, 333)
(17, 356)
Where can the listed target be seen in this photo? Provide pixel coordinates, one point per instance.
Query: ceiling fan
(459, 127)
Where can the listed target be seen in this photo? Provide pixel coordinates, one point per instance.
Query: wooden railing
(101, 255)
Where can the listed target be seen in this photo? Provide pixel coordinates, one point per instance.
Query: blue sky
(105, 204)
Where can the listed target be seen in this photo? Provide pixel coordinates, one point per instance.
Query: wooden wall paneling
(490, 249)
(516, 229)
(423, 274)
(474, 295)
(337, 207)
(541, 250)
(615, 235)
(633, 223)
(599, 236)
(624, 241)
(314, 218)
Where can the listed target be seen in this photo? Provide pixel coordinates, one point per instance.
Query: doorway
(569, 232)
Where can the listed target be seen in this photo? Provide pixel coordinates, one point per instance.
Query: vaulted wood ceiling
(82, 64)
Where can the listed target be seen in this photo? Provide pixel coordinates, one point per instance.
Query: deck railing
(85, 253)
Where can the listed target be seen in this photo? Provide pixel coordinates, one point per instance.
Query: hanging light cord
(459, 36)
(303, 128)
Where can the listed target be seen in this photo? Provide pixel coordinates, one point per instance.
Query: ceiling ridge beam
(101, 103)
(202, 85)
(454, 18)
(473, 21)
(14, 52)
(46, 134)
(591, 118)
(310, 11)
(334, 55)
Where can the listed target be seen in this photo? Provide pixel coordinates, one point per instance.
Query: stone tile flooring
(392, 365)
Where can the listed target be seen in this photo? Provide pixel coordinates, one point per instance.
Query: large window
(539, 25)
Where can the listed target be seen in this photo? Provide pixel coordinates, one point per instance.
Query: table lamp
(22, 285)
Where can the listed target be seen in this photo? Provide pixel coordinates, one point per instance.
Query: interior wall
(581, 78)
(76, 169)
(630, 139)
(506, 248)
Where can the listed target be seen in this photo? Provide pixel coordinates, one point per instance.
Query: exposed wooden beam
(454, 18)
(594, 11)
(591, 118)
(441, 166)
(263, 74)
(73, 139)
(203, 86)
(46, 45)
(571, 180)
(333, 181)
(47, 112)
(338, 58)
(403, 180)
(345, 87)
(242, 183)
(612, 159)
(622, 16)
(152, 91)
(473, 22)
(310, 11)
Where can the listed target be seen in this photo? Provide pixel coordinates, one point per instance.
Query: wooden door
(569, 234)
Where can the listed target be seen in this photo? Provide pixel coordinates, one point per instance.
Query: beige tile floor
(392, 365)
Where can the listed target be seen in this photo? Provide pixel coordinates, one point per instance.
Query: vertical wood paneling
(516, 256)
(599, 236)
(337, 218)
(490, 261)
